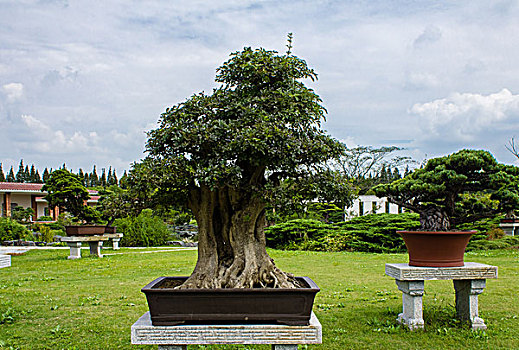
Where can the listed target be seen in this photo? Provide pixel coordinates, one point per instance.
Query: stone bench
(469, 281)
(95, 242)
(5, 260)
(179, 337)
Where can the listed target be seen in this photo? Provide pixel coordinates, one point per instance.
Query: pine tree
(10, 176)
(32, 175)
(407, 171)
(2, 176)
(122, 181)
(37, 177)
(94, 179)
(46, 175)
(383, 174)
(81, 176)
(102, 180)
(114, 178)
(26, 174)
(396, 174)
(109, 177)
(20, 174)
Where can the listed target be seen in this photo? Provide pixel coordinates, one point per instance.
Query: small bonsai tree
(66, 191)
(463, 187)
(224, 155)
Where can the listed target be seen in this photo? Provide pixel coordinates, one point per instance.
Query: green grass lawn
(49, 302)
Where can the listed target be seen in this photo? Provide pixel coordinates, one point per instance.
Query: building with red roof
(30, 195)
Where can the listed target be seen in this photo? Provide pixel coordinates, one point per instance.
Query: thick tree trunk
(434, 219)
(231, 242)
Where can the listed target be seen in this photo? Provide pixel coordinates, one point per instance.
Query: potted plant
(447, 192)
(65, 191)
(224, 156)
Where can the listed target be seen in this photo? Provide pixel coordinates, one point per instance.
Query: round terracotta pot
(436, 249)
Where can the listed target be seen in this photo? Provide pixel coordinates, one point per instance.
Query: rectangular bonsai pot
(84, 230)
(169, 306)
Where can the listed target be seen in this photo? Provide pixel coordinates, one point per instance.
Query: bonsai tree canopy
(224, 155)
(462, 187)
(66, 192)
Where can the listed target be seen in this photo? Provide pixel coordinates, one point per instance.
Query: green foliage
(44, 218)
(12, 230)
(145, 230)
(46, 233)
(327, 212)
(259, 128)
(293, 233)
(22, 215)
(505, 242)
(66, 191)
(460, 188)
(369, 233)
(377, 232)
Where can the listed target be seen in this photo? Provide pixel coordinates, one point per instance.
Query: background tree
(66, 191)
(512, 147)
(448, 191)
(223, 154)
(2, 175)
(368, 166)
(10, 176)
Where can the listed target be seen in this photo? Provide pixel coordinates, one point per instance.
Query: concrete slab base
(5, 261)
(179, 337)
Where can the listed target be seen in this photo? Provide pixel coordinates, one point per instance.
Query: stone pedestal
(412, 292)
(5, 260)
(115, 243)
(75, 250)
(469, 282)
(95, 248)
(74, 242)
(179, 337)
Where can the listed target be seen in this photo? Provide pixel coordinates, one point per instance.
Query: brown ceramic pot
(169, 306)
(436, 249)
(84, 230)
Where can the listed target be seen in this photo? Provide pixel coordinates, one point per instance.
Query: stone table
(179, 337)
(469, 282)
(94, 241)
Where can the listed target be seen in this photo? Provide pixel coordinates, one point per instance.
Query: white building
(370, 204)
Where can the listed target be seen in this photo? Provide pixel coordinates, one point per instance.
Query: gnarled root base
(252, 275)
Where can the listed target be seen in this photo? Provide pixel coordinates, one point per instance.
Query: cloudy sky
(81, 81)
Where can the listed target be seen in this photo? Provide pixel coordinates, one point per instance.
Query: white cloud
(464, 115)
(468, 120)
(430, 35)
(13, 91)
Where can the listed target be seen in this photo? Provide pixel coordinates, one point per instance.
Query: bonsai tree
(67, 192)
(448, 191)
(224, 155)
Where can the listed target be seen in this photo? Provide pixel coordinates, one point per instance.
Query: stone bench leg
(95, 248)
(412, 292)
(467, 292)
(115, 243)
(75, 250)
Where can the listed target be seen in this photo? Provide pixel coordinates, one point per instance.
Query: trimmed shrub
(369, 233)
(145, 230)
(12, 230)
(377, 232)
(501, 243)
